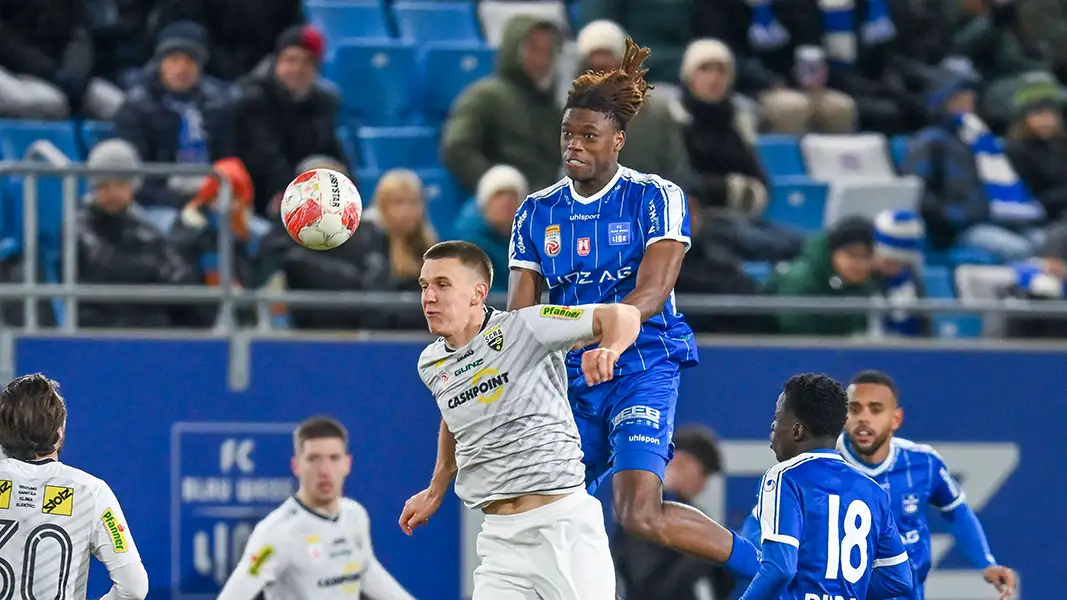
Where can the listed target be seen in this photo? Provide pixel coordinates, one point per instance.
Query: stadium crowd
(977, 86)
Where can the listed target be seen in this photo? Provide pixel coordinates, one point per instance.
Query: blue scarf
(765, 33)
(1009, 200)
(901, 289)
(192, 138)
(1031, 277)
(839, 28)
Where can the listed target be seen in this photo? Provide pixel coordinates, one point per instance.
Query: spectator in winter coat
(46, 63)
(836, 263)
(764, 37)
(486, 218)
(654, 141)
(285, 115)
(729, 177)
(1037, 148)
(973, 196)
(512, 117)
(176, 115)
(899, 237)
(116, 246)
(648, 571)
(242, 33)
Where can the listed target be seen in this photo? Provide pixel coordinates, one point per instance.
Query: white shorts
(556, 552)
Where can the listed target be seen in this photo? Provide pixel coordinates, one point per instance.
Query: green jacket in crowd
(654, 143)
(812, 274)
(665, 26)
(505, 119)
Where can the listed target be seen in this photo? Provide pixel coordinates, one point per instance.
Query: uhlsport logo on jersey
(494, 338)
(5, 493)
(115, 530)
(58, 500)
(255, 566)
(583, 246)
(487, 386)
(562, 312)
(553, 243)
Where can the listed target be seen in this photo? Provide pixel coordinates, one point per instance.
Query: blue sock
(744, 558)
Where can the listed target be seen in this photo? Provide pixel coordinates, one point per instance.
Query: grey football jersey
(52, 518)
(504, 398)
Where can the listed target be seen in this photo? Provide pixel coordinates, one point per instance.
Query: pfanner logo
(115, 530)
(561, 312)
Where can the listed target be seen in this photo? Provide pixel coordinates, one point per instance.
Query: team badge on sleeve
(583, 246)
(259, 559)
(553, 243)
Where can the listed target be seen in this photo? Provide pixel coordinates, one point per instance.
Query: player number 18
(839, 549)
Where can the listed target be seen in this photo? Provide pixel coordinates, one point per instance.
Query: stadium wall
(195, 462)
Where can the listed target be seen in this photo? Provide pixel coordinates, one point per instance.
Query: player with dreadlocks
(608, 234)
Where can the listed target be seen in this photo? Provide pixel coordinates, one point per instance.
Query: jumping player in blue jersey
(827, 529)
(915, 476)
(603, 234)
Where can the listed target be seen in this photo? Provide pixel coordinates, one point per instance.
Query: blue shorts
(627, 423)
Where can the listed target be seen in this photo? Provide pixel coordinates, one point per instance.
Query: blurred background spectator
(487, 217)
(648, 571)
(512, 117)
(899, 237)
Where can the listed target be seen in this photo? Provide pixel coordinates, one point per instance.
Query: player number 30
(839, 548)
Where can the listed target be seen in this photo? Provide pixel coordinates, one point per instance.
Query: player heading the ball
(53, 516)
(507, 433)
(316, 545)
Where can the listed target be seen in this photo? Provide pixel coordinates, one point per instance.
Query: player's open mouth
(863, 436)
(574, 162)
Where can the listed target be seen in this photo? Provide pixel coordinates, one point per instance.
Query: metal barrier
(229, 297)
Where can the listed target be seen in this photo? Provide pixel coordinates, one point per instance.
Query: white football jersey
(52, 518)
(295, 553)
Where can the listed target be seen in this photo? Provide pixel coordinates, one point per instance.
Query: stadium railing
(230, 296)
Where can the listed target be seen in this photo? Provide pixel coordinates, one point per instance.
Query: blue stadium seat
(385, 148)
(340, 20)
(375, 80)
(797, 201)
(17, 136)
(938, 281)
(366, 183)
(436, 21)
(780, 155)
(94, 132)
(758, 271)
(898, 149)
(445, 70)
(348, 146)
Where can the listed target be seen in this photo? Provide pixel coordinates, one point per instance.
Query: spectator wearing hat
(175, 114)
(118, 246)
(1041, 278)
(899, 237)
(1037, 147)
(654, 141)
(835, 263)
(47, 60)
(486, 218)
(649, 571)
(242, 33)
(285, 114)
(973, 196)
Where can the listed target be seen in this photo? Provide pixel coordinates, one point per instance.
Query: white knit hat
(899, 234)
(602, 34)
(702, 52)
(113, 154)
(498, 179)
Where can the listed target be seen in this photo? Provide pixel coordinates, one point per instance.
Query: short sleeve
(112, 541)
(890, 550)
(666, 213)
(945, 492)
(780, 517)
(522, 251)
(559, 327)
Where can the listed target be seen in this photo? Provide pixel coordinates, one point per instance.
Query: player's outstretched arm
(113, 545)
(420, 507)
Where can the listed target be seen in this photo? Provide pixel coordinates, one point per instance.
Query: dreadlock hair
(618, 93)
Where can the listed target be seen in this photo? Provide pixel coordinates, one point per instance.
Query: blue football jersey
(836, 517)
(914, 476)
(589, 249)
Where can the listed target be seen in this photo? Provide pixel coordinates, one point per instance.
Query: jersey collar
(597, 196)
(489, 312)
(40, 461)
(316, 513)
(866, 468)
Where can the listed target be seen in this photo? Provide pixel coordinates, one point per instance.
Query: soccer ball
(321, 209)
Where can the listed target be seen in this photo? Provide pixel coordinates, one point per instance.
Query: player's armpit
(524, 288)
(656, 277)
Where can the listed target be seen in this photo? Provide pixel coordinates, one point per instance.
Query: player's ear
(295, 466)
(481, 293)
(898, 418)
(798, 431)
(620, 140)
